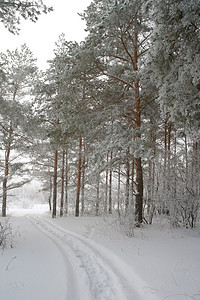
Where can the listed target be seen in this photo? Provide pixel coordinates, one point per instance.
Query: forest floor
(90, 258)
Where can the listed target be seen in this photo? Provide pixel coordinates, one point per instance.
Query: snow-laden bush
(6, 234)
(127, 223)
(185, 212)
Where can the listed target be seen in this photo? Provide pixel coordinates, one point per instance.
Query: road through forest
(89, 259)
(89, 272)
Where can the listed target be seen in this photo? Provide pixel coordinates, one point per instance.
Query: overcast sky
(42, 35)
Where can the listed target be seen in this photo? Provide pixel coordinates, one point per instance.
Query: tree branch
(112, 76)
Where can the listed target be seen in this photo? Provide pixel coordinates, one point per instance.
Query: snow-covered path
(33, 269)
(88, 259)
(92, 272)
(52, 263)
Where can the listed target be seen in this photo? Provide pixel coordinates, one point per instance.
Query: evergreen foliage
(19, 71)
(11, 12)
(116, 117)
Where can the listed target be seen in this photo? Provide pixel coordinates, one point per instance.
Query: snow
(89, 258)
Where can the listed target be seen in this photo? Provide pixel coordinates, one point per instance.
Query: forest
(112, 126)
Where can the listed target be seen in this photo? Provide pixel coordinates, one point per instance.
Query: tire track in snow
(125, 282)
(89, 269)
(72, 287)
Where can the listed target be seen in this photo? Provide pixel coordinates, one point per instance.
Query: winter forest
(111, 131)
(112, 126)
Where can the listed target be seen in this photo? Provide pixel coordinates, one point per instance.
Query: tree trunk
(169, 129)
(55, 183)
(139, 192)
(127, 182)
(175, 166)
(118, 190)
(165, 158)
(6, 172)
(194, 169)
(78, 178)
(62, 184)
(132, 182)
(110, 186)
(167, 167)
(151, 180)
(50, 192)
(66, 183)
(98, 198)
(186, 158)
(138, 162)
(106, 188)
(151, 202)
(137, 115)
(149, 186)
(83, 183)
(197, 168)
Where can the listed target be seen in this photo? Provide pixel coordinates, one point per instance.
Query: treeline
(112, 126)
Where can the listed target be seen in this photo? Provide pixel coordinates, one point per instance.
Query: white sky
(42, 35)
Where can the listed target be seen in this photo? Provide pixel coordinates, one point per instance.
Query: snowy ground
(88, 258)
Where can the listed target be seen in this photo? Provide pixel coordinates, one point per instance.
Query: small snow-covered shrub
(185, 213)
(127, 223)
(6, 234)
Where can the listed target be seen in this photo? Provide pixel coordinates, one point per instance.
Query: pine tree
(19, 71)
(174, 63)
(118, 36)
(11, 12)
